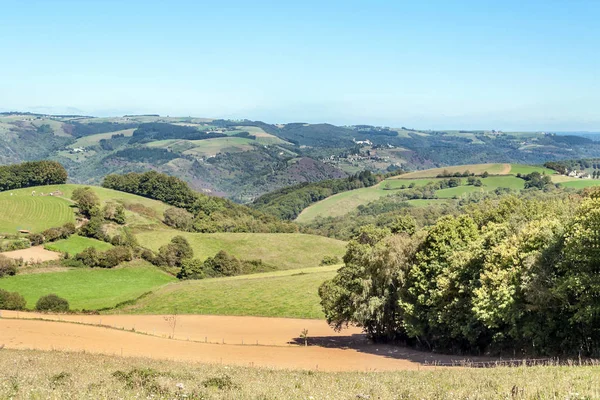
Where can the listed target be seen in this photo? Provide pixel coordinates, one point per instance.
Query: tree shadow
(360, 343)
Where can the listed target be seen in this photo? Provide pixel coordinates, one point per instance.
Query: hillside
(35, 210)
(501, 176)
(244, 159)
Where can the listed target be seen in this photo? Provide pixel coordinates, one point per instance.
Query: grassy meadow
(20, 210)
(89, 289)
(211, 147)
(283, 250)
(75, 244)
(29, 374)
(93, 140)
(291, 294)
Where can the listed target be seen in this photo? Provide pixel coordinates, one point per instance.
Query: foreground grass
(291, 294)
(283, 250)
(26, 374)
(75, 244)
(89, 289)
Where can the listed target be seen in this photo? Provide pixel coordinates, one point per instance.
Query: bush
(93, 229)
(192, 268)
(8, 267)
(179, 218)
(52, 302)
(330, 260)
(114, 212)
(86, 200)
(11, 301)
(36, 239)
(91, 258)
(173, 254)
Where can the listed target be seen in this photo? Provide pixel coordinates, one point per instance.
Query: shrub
(114, 212)
(91, 258)
(86, 200)
(36, 239)
(93, 229)
(8, 267)
(11, 301)
(174, 253)
(222, 264)
(192, 268)
(52, 302)
(330, 260)
(179, 218)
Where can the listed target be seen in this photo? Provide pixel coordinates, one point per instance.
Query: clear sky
(531, 65)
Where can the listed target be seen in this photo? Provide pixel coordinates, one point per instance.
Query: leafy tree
(114, 212)
(86, 200)
(11, 301)
(173, 254)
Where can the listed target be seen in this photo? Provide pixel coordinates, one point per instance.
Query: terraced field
(283, 250)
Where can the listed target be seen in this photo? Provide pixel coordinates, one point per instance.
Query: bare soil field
(35, 254)
(279, 342)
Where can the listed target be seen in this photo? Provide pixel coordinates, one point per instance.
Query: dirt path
(33, 254)
(327, 350)
(506, 169)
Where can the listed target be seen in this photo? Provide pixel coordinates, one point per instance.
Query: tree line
(288, 203)
(33, 173)
(509, 275)
(196, 212)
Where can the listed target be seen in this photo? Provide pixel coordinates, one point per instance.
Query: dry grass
(62, 375)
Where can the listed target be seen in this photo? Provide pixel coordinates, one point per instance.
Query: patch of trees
(79, 129)
(162, 131)
(447, 174)
(512, 275)
(92, 258)
(287, 203)
(34, 173)
(222, 264)
(146, 155)
(210, 214)
(565, 166)
(52, 234)
(537, 181)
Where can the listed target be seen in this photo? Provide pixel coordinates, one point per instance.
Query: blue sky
(530, 65)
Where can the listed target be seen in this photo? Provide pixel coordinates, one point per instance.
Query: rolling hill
(501, 176)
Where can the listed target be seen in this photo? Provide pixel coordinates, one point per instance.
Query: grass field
(89, 289)
(283, 250)
(76, 244)
(95, 139)
(211, 147)
(20, 210)
(67, 375)
(580, 183)
(493, 169)
(291, 294)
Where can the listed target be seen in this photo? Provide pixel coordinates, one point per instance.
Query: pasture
(20, 210)
(290, 294)
(75, 244)
(89, 289)
(283, 250)
(211, 147)
(93, 140)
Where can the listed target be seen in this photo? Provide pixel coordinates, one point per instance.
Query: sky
(510, 65)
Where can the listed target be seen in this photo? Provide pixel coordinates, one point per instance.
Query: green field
(493, 169)
(89, 289)
(20, 210)
(342, 203)
(580, 183)
(95, 139)
(345, 202)
(211, 147)
(283, 250)
(292, 294)
(75, 244)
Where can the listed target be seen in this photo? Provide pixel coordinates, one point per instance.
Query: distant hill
(243, 159)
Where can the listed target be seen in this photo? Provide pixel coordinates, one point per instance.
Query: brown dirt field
(506, 169)
(278, 338)
(32, 255)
